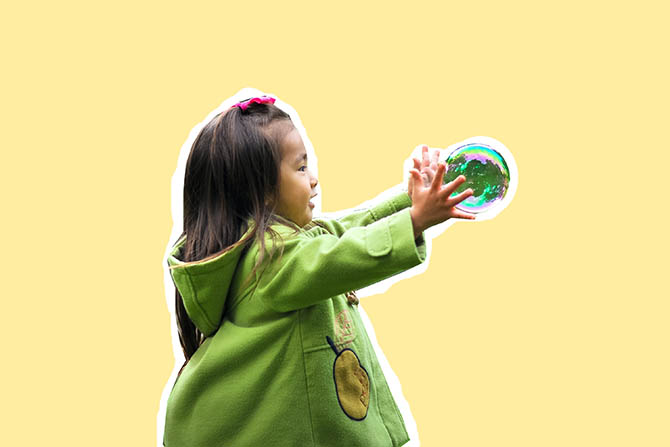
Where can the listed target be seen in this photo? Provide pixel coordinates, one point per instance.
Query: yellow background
(546, 326)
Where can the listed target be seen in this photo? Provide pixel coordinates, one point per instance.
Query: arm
(316, 268)
(361, 217)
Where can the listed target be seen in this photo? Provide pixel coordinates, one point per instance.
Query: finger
(434, 158)
(417, 180)
(458, 214)
(417, 163)
(424, 155)
(415, 174)
(439, 175)
(455, 200)
(453, 185)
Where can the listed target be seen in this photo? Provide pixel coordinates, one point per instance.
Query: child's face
(296, 182)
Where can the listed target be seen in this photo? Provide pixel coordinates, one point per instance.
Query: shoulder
(317, 227)
(280, 239)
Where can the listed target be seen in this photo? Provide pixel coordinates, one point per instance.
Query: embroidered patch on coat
(352, 383)
(344, 328)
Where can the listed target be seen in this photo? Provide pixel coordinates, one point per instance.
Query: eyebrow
(301, 157)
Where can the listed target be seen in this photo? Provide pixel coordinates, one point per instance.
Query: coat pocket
(342, 398)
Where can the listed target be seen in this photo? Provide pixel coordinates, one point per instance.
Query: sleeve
(365, 216)
(316, 268)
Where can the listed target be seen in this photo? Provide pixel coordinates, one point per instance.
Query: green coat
(287, 360)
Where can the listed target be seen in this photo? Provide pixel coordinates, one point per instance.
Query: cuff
(413, 251)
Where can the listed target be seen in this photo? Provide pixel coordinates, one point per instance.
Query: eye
(301, 168)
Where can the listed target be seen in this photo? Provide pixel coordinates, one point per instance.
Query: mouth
(311, 205)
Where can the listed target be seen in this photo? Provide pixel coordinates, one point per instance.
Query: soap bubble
(485, 171)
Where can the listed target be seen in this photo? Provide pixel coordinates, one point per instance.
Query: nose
(313, 180)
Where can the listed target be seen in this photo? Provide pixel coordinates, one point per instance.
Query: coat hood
(204, 286)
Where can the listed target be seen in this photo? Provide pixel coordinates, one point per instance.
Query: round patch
(352, 383)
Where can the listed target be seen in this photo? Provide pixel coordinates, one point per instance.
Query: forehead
(292, 147)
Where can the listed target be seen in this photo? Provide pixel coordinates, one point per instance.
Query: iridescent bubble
(485, 171)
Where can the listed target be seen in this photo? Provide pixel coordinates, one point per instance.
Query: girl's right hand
(431, 204)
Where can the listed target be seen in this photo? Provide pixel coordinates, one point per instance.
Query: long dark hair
(232, 175)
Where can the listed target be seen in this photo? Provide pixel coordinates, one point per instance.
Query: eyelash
(303, 167)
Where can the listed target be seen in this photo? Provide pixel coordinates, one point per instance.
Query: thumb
(414, 178)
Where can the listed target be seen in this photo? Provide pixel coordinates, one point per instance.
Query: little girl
(276, 352)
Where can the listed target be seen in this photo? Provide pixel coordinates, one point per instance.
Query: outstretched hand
(432, 204)
(427, 166)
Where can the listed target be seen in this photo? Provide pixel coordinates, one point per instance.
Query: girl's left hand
(427, 167)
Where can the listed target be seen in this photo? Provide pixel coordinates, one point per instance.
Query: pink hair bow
(262, 100)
